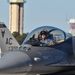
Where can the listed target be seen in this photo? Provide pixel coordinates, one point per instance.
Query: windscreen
(45, 36)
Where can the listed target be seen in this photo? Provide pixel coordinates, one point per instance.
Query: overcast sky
(41, 13)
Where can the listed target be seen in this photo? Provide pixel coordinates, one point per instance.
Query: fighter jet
(46, 50)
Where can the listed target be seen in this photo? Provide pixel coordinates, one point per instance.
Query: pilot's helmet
(43, 32)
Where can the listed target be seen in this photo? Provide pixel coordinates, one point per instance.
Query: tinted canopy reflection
(46, 36)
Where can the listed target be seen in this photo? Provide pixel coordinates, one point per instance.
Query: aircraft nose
(15, 62)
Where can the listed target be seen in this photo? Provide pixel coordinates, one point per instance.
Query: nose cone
(15, 62)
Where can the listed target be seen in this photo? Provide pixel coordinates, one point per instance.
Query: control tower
(72, 26)
(16, 15)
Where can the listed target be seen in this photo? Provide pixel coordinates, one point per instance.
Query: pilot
(43, 35)
(45, 39)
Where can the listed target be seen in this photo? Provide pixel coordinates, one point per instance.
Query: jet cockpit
(54, 36)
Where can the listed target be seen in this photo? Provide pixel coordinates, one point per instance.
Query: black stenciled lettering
(3, 33)
(9, 41)
(6, 40)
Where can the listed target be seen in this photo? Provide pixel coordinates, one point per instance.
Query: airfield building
(72, 26)
(16, 15)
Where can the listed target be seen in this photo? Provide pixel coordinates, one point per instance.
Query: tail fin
(7, 41)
